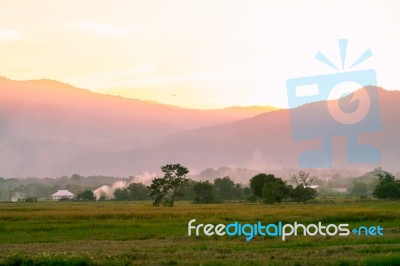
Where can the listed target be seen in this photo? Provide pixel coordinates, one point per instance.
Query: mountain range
(50, 129)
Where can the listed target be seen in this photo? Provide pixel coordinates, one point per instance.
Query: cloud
(101, 28)
(10, 35)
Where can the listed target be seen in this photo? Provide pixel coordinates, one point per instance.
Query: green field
(136, 233)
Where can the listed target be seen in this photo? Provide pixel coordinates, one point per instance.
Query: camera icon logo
(347, 104)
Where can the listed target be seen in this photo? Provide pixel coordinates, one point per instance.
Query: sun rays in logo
(343, 51)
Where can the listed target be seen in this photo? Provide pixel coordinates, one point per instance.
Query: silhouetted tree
(166, 189)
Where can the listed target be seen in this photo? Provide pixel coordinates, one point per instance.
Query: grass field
(135, 233)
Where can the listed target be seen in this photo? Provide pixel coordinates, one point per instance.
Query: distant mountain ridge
(50, 131)
(49, 101)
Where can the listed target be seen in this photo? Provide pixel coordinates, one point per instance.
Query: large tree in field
(166, 189)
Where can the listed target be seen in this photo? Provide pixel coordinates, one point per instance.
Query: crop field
(136, 233)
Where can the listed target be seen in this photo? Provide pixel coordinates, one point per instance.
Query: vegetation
(257, 183)
(226, 189)
(42, 188)
(133, 233)
(263, 187)
(204, 192)
(86, 195)
(273, 189)
(135, 191)
(388, 187)
(166, 189)
(359, 189)
(303, 191)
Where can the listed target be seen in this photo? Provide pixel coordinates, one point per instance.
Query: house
(62, 194)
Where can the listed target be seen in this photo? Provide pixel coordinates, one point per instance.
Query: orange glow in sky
(198, 54)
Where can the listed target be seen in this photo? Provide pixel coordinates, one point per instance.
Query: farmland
(136, 233)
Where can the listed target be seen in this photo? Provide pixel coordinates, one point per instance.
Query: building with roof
(62, 194)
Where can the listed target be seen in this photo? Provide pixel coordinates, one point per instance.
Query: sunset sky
(197, 54)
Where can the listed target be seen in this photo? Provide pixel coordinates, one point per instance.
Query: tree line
(174, 185)
(263, 187)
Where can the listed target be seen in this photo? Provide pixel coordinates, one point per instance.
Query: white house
(62, 194)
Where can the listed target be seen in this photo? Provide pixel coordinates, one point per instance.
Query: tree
(248, 194)
(239, 192)
(302, 194)
(358, 189)
(204, 192)
(302, 190)
(388, 187)
(257, 183)
(303, 178)
(225, 188)
(138, 191)
(188, 192)
(274, 190)
(166, 189)
(86, 195)
(158, 190)
(268, 187)
(121, 194)
(135, 191)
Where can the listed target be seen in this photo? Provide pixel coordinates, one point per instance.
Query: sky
(195, 54)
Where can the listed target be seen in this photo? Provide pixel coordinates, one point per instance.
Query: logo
(348, 105)
(279, 230)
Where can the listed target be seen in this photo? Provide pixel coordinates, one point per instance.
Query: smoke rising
(108, 191)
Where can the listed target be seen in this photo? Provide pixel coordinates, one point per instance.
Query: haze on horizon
(195, 54)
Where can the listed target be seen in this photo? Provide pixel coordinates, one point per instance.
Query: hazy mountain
(262, 142)
(52, 110)
(44, 124)
(52, 129)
